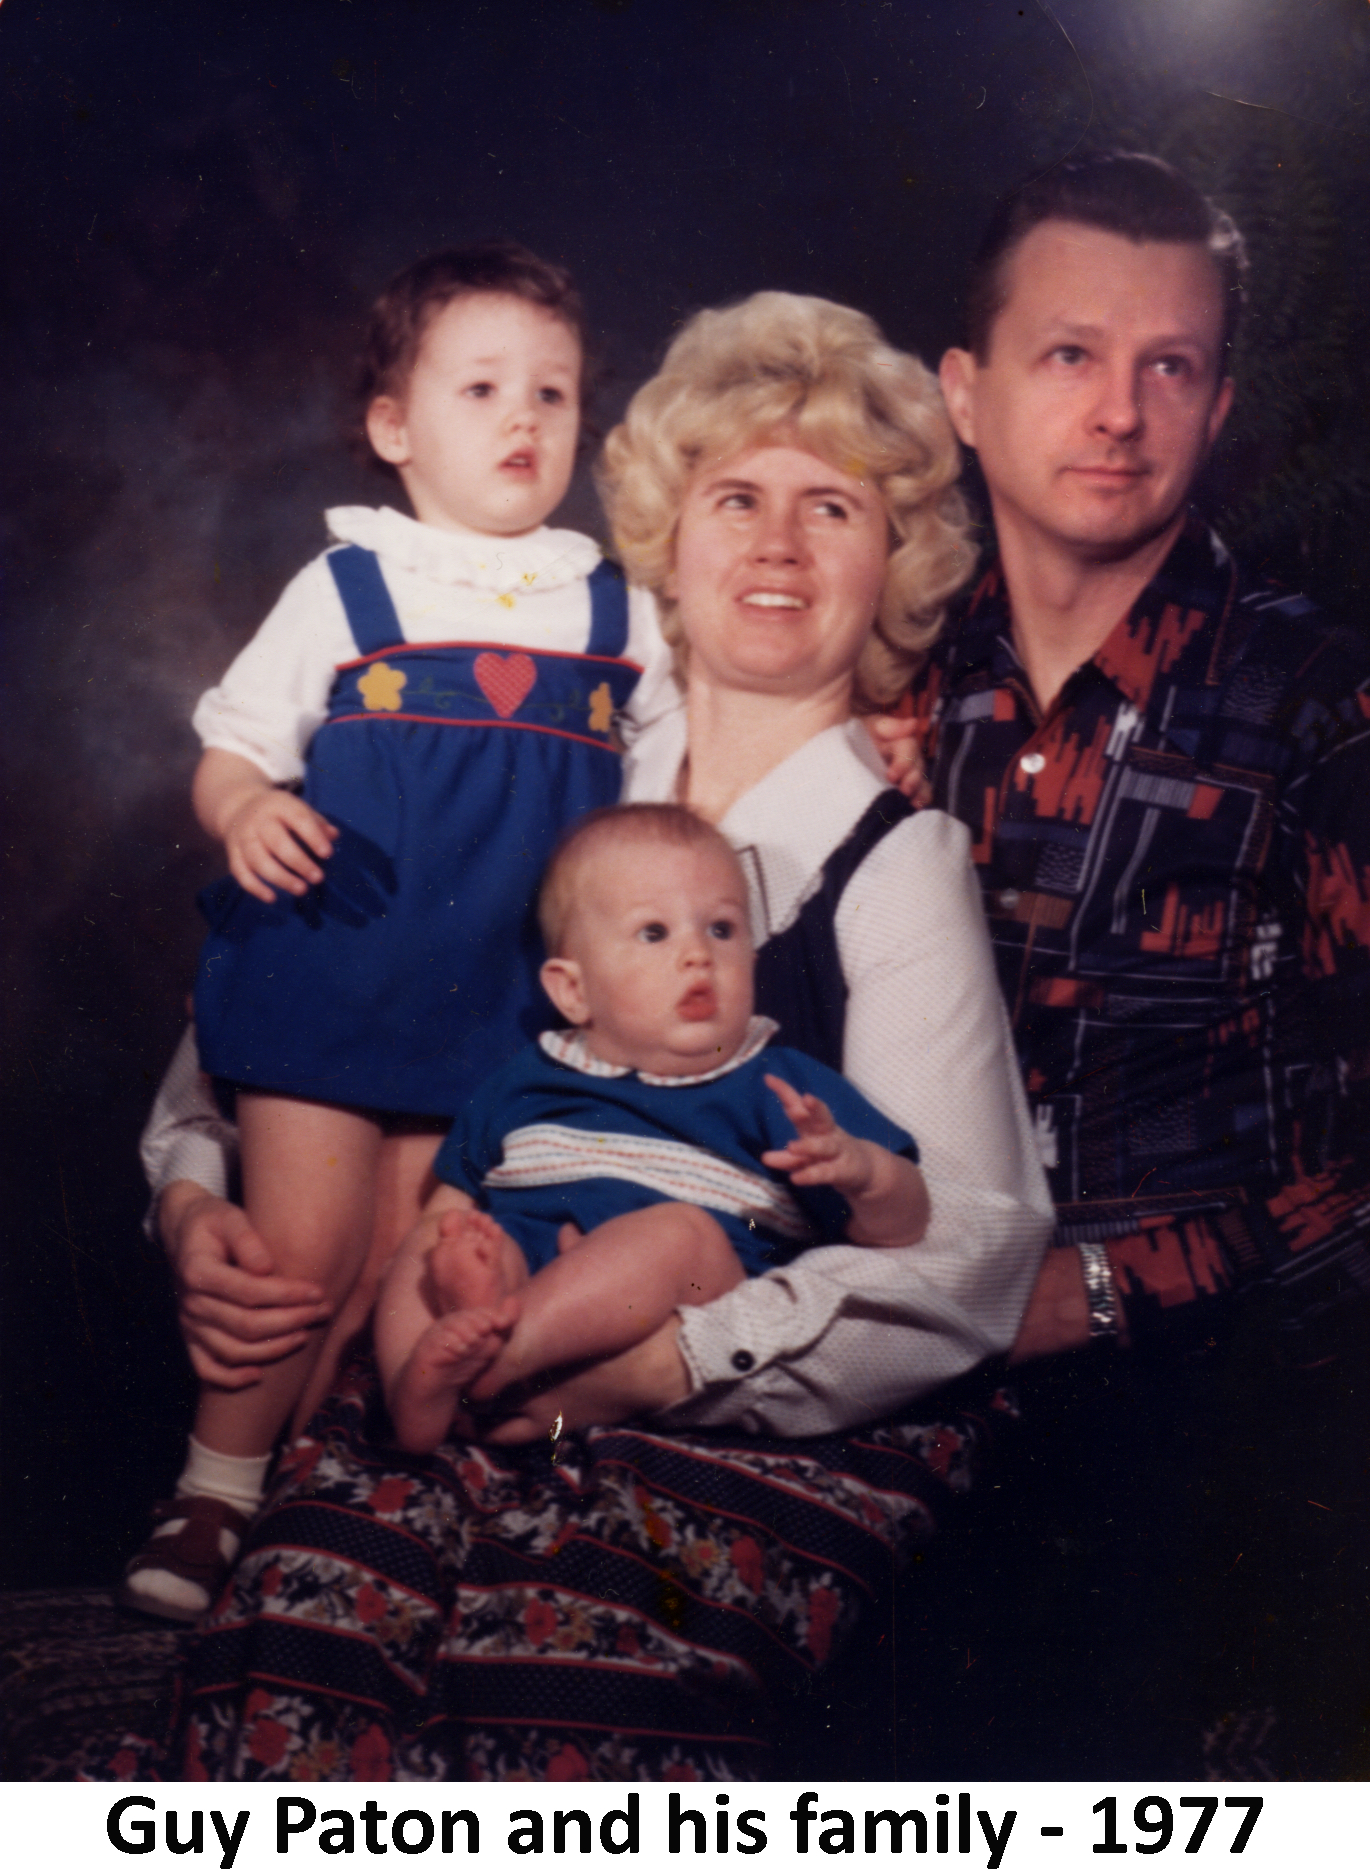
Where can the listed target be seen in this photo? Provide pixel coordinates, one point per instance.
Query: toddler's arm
(887, 1194)
(268, 833)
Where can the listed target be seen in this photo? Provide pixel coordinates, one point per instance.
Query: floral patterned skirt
(630, 1605)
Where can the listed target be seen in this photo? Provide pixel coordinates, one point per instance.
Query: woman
(785, 486)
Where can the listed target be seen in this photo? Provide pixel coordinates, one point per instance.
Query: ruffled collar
(541, 561)
(568, 1047)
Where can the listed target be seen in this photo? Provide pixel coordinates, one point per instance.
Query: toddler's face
(659, 957)
(485, 434)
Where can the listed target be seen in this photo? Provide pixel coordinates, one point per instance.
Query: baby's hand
(822, 1153)
(898, 748)
(270, 839)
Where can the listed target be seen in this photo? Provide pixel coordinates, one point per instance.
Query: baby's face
(660, 942)
(485, 434)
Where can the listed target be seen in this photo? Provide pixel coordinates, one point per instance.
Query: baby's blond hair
(791, 368)
(645, 822)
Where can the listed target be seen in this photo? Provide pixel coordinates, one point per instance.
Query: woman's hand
(237, 1315)
(271, 837)
(898, 748)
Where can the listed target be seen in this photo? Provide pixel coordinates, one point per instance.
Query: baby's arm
(268, 833)
(887, 1194)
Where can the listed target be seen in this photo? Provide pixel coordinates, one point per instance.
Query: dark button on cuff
(743, 1362)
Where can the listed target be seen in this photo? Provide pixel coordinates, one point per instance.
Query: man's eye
(723, 928)
(1069, 354)
(1173, 367)
(652, 933)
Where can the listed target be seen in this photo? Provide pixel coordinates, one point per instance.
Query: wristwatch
(1099, 1291)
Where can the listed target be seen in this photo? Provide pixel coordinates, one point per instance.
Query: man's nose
(1118, 411)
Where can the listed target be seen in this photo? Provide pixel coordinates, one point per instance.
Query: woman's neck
(736, 737)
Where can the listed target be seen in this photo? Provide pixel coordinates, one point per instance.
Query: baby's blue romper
(450, 770)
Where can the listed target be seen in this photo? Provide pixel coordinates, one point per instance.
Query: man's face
(1101, 393)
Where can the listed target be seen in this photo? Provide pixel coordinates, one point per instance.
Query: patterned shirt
(1175, 862)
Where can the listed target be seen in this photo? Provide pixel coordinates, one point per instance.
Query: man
(1165, 767)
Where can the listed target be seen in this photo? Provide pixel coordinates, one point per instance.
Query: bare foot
(447, 1357)
(473, 1263)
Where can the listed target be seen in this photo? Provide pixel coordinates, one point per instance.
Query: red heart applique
(505, 681)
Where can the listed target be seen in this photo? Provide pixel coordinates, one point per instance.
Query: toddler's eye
(550, 394)
(652, 933)
(723, 928)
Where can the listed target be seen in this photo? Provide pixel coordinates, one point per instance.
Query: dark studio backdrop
(199, 204)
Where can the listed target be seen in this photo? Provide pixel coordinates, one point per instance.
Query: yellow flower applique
(601, 710)
(507, 600)
(380, 687)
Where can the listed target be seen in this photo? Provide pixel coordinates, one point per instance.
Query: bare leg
(404, 1182)
(473, 1282)
(613, 1288)
(309, 1181)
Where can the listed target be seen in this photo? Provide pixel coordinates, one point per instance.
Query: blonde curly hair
(788, 367)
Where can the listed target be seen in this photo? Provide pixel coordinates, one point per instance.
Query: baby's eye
(652, 933)
(550, 394)
(479, 390)
(723, 928)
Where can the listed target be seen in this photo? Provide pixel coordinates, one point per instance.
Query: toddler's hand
(822, 1153)
(898, 748)
(270, 839)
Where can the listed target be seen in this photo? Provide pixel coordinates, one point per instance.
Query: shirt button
(743, 1362)
(1032, 763)
(1007, 899)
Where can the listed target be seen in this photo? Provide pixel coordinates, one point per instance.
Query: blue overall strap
(366, 598)
(608, 611)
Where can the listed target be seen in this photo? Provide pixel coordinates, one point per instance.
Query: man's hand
(237, 1315)
(898, 748)
(1056, 1317)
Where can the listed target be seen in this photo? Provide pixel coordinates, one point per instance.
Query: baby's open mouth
(700, 1004)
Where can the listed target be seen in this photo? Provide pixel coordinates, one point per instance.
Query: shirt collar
(539, 561)
(1193, 587)
(568, 1047)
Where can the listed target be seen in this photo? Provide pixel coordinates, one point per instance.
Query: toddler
(664, 1087)
(445, 691)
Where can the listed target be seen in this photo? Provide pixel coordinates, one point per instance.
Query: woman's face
(780, 560)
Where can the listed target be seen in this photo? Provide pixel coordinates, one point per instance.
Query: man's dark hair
(1123, 192)
(415, 296)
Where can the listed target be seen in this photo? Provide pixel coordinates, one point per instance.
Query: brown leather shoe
(193, 1555)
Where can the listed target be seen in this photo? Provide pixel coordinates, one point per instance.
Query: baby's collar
(568, 1047)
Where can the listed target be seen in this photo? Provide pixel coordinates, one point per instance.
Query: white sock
(238, 1481)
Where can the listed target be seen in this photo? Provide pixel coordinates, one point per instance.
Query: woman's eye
(1069, 354)
(723, 928)
(737, 502)
(652, 933)
(833, 510)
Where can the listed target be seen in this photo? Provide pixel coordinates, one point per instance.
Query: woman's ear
(562, 980)
(386, 431)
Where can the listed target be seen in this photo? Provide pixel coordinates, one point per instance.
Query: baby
(663, 1095)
